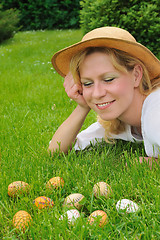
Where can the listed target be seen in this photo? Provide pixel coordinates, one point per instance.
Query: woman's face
(107, 91)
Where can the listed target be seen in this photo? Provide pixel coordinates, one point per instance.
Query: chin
(107, 118)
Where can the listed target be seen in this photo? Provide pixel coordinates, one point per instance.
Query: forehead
(96, 62)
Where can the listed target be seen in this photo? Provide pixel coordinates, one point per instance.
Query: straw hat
(111, 37)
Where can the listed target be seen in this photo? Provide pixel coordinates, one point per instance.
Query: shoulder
(151, 103)
(151, 115)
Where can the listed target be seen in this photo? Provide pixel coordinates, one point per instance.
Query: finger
(73, 92)
(77, 88)
(68, 80)
(80, 89)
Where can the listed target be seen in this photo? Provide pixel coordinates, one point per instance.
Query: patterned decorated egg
(99, 216)
(17, 188)
(43, 202)
(74, 200)
(102, 189)
(126, 206)
(22, 220)
(55, 182)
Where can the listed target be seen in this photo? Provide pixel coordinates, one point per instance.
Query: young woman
(117, 77)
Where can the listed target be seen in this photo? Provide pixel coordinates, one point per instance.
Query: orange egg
(99, 216)
(22, 220)
(55, 182)
(43, 202)
(17, 188)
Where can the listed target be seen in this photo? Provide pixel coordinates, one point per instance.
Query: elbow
(56, 149)
(50, 151)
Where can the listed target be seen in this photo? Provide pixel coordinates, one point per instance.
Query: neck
(133, 114)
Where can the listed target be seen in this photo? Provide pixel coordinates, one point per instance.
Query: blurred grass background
(33, 105)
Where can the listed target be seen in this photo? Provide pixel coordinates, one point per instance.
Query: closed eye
(109, 79)
(86, 84)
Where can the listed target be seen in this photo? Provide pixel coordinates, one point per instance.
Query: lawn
(33, 105)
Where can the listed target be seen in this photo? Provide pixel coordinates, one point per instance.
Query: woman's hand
(149, 160)
(74, 90)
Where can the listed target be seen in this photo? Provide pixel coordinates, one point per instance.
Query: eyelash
(109, 80)
(86, 84)
(105, 80)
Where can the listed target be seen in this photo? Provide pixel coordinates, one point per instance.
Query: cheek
(124, 88)
(86, 93)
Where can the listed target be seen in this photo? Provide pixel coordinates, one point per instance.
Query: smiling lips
(105, 105)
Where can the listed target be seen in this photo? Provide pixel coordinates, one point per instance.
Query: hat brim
(61, 59)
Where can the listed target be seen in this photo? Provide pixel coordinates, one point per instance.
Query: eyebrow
(86, 79)
(107, 74)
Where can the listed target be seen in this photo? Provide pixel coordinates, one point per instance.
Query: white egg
(71, 215)
(126, 205)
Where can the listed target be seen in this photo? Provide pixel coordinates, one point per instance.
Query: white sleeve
(93, 134)
(96, 133)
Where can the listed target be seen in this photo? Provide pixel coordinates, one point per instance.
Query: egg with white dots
(126, 206)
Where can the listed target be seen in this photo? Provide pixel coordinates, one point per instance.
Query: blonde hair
(123, 63)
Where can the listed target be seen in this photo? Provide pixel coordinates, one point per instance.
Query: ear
(137, 73)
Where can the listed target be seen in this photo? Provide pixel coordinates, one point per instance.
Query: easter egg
(22, 220)
(126, 206)
(72, 215)
(55, 183)
(17, 188)
(74, 200)
(43, 202)
(98, 216)
(102, 189)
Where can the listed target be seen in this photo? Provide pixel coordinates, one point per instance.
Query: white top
(150, 123)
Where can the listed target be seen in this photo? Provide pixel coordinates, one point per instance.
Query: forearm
(66, 134)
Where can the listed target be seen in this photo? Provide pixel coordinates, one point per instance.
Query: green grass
(33, 105)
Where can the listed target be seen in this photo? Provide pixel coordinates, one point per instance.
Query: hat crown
(110, 37)
(109, 32)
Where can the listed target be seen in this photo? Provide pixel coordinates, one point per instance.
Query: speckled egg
(17, 188)
(55, 183)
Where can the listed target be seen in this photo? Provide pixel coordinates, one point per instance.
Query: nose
(99, 91)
